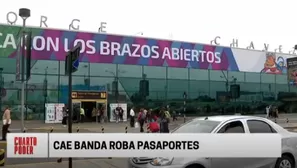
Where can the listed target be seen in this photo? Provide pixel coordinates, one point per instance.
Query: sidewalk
(88, 163)
(35, 125)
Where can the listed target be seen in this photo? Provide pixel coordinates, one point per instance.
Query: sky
(260, 21)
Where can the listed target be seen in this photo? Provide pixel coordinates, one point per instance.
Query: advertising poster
(292, 71)
(113, 115)
(53, 113)
(274, 64)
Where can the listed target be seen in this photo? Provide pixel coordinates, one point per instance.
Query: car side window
(257, 126)
(232, 127)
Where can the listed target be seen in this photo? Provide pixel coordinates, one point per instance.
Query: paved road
(90, 163)
(37, 126)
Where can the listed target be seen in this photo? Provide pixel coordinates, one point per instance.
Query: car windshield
(198, 126)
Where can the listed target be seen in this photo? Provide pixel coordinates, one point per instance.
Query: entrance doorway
(88, 106)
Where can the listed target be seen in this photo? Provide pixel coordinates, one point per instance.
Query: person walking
(82, 115)
(164, 121)
(6, 122)
(141, 119)
(132, 115)
(267, 111)
(174, 117)
(65, 116)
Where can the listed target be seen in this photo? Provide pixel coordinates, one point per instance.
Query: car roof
(226, 118)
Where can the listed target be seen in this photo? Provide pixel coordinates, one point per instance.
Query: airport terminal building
(143, 71)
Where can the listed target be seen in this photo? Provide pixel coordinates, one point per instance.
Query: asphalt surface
(39, 127)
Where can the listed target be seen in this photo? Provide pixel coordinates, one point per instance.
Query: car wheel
(195, 166)
(284, 162)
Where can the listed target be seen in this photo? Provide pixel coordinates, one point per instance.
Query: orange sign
(88, 95)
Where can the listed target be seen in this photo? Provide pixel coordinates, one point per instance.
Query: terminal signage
(52, 44)
(88, 95)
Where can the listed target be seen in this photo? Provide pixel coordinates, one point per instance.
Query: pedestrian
(132, 115)
(82, 115)
(6, 122)
(174, 117)
(94, 115)
(98, 117)
(121, 114)
(267, 111)
(276, 112)
(141, 119)
(164, 121)
(152, 122)
(102, 112)
(65, 116)
(270, 111)
(117, 114)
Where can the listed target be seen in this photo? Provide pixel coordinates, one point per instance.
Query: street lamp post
(185, 104)
(227, 85)
(115, 84)
(24, 14)
(1, 87)
(45, 90)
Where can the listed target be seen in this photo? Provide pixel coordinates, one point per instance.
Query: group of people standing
(156, 123)
(118, 113)
(271, 111)
(98, 114)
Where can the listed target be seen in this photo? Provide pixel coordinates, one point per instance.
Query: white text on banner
(27, 145)
(161, 145)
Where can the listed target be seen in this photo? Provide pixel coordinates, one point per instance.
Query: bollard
(59, 160)
(77, 129)
(184, 118)
(102, 129)
(126, 129)
(52, 129)
(147, 128)
(2, 157)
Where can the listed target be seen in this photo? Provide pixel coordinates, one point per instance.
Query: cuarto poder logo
(25, 145)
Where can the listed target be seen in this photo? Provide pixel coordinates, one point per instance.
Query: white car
(228, 124)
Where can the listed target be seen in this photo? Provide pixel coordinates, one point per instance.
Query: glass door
(76, 110)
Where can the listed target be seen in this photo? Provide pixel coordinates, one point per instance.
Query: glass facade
(205, 89)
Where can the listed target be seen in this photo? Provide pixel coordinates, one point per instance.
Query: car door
(259, 126)
(235, 126)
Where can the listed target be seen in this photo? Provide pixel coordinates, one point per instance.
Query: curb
(50, 163)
